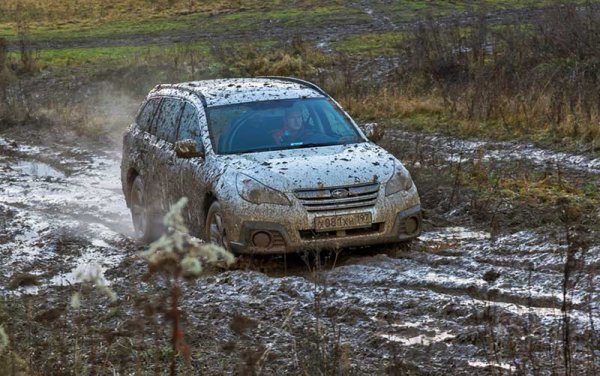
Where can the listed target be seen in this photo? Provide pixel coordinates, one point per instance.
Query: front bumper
(272, 229)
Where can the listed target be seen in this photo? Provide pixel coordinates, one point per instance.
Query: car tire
(144, 222)
(215, 231)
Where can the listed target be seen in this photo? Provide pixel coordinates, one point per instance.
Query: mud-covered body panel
(346, 168)
(240, 90)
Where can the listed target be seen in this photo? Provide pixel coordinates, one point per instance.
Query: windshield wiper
(311, 145)
(282, 147)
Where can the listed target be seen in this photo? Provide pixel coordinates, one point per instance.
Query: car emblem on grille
(340, 193)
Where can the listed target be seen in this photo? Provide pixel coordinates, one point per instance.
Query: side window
(190, 127)
(167, 119)
(147, 113)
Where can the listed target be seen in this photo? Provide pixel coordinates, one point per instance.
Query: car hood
(316, 167)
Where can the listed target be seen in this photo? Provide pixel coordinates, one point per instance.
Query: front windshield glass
(277, 125)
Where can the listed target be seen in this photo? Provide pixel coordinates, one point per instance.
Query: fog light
(411, 225)
(261, 239)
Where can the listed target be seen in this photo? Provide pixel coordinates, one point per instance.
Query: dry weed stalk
(177, 256)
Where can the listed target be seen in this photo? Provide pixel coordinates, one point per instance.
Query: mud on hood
(328, 166)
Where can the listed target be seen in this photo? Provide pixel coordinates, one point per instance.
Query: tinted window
(145, 116)
(167, 119)
(189, 127)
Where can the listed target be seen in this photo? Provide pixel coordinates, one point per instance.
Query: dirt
(459, 300)
(378, 20)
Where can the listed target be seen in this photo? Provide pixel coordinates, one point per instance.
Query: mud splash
(66, 211)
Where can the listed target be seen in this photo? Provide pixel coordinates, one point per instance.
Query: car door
(189, 173)
(161, 155)
(136, 141)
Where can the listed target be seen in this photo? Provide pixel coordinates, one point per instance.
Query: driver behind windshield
(293, 130)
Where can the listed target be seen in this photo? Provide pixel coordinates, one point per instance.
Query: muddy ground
(475, 294)
(376, 19)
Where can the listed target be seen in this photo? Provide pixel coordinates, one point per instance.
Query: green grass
(293, 17)
(114, 56)
(385, 43)
(77, 30)
(242, 20)
(253, 17)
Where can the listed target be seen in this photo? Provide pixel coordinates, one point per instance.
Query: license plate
(344, 221)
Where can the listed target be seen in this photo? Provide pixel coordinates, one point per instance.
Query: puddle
(453, 233)
(421, 339)
(27, 235)
(37, 169)
(324, 45)
(483, 364)
(546, 315)
(451, 281)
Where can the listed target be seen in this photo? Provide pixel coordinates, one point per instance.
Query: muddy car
(270, 165)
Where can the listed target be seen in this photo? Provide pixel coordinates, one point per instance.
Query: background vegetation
(526, 70)
(532, 77)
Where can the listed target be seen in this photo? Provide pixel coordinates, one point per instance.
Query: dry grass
(390, 103)
(538, 80)
(66, 11)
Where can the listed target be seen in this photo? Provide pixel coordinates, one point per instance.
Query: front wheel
(215, 231)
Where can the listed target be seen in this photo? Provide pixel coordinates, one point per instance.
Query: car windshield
(277, 125)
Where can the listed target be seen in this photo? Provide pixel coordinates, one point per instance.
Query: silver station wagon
(270, 165)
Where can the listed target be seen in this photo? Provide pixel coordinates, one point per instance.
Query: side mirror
(373, 131)
(188, 149)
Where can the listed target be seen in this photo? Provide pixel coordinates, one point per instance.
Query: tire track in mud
(434, 310)
(380, 22)
(63, 210)
(433, 304)
(456, 285)
(456, 150)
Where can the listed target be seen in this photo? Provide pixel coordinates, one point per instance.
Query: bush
(542, 75)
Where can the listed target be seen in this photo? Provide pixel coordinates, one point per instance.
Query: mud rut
(377, 21)
(454, 301)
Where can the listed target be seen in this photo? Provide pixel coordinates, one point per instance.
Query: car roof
(221, 92)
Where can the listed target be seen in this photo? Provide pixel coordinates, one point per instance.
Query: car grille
(314, 235)
(338, 198)
(278, 240)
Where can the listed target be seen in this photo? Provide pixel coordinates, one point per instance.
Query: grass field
(232, 38)
(69, 19)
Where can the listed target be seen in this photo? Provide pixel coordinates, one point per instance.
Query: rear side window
(145, 116)
(167, 119)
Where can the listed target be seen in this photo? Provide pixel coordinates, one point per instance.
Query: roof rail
(186, 89)
(297, 81)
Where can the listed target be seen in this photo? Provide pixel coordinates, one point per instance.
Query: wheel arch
(209, 198)
(132, 173)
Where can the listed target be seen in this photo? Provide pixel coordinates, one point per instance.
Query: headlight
(400, 181)
(258, 193)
